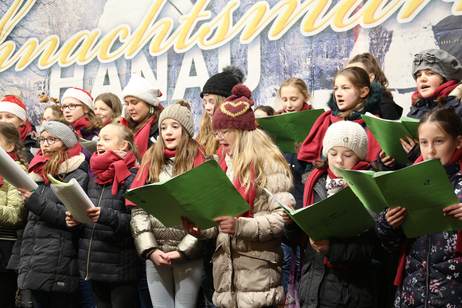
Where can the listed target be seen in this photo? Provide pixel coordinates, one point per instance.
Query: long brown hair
(360, 80)
(205, 137)
(90, 115)
(135, 126)
(113, 102)
(11, 135)
(446, 119)
(186, 152)
(372, 67)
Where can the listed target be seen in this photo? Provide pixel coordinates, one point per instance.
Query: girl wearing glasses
(174, 258)
(13, 110)
(48, 262)
(141, 112)
(247, 263)
(77, 107)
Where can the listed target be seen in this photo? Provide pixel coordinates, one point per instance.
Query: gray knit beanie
(181, 112)
(346, 134)
(440, 62)
(61, 131)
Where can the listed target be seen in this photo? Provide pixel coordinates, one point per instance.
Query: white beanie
(14, 106)
(80, 95)
(141, 88)
(346, 134)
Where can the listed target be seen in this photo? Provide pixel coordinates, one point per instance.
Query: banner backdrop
(50, 45)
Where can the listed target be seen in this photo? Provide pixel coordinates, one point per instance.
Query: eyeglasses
(220, 134)
(50, 140)
(70, 106)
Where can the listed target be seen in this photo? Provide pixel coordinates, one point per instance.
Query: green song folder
(289, 128)
(388, 133)
(341, 215)
(423, 189)
(200, 194)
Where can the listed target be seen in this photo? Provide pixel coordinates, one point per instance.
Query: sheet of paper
(388, 134)
(424, 190)
(74, 198)
(289, 128)
(200, 194)
(341, 215)
(363, 185)
(10, 171)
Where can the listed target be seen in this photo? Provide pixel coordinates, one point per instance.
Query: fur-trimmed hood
(372, 105)
(457, 92)
(68, 166)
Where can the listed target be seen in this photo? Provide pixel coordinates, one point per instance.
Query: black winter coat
(48, 260)
(321, 286)
(423, 105)
(107, 250)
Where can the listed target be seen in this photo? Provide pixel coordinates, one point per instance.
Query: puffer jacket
(11, 208)
(322, 286)
(423, 105)
(48, 260)
(150, 234)
(247, 267)
(433, 268)
(107, 251)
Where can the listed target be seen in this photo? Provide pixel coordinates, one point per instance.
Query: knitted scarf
(79, 124)
(142, 136)
(249, 195)
(111, 167)
(39, 161)
(443, 90)
(25, 130)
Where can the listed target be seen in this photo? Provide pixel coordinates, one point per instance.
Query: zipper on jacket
(91, 237)
(427, 270)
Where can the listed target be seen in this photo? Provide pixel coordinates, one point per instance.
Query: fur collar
(372, 105)
(73, 164)
(457, 92)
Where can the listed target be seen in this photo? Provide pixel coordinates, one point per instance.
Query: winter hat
(236, 111)
(181, 112)
(79, 94)
(222, 83)
(15, 106)
(346, 134)
(439, 61)
(61, 131)
(142, 89)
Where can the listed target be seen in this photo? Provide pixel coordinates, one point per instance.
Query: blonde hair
(297, 83)
(154, 158)
(125, 134)
(255, 150)
(205, 137)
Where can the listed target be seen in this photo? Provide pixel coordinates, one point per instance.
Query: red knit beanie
(236, 111)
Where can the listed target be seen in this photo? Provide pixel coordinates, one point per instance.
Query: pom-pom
(235, 71)
(184, 103)
(241, 90)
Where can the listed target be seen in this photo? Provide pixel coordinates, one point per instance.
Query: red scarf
(305, 107)
(111, 168)
(142, 175)
(79, 124)
(443, 90)
(25, 130)
(249, 196)
(402, 255)
(39, 161)
(142, 136)
(311, 148)
(107, 122)
(309, 198)
(15, 158)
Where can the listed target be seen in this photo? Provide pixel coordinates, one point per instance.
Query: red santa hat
(14, 106)
(79, 94)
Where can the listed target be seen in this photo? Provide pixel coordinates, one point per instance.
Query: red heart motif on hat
(234, 109)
